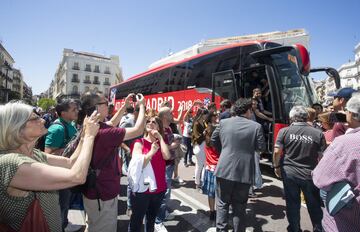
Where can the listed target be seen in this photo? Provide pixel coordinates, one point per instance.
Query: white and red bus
(230, 72)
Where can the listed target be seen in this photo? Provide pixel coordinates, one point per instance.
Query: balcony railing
(88, 69)
(97, 70)
(106, 83)
(96, 82)
(87, 81)
(107, 72)
(75, 68)
(75, 80)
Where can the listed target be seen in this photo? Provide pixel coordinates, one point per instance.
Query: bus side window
(200, 71)
(162, 79)
(177, 76)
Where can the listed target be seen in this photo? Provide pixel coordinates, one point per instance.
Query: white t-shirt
(187, 129)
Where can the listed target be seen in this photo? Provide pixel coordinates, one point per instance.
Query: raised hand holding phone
(129, 98)
(140, 98)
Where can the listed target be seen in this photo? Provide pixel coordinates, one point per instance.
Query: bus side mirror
(303, 59)
(332, 73)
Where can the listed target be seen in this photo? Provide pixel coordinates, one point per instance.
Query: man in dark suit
(238, 138)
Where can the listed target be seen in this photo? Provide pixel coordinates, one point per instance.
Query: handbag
(34, 220)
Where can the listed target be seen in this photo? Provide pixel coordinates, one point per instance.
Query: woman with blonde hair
(327, 125)
(28, 176)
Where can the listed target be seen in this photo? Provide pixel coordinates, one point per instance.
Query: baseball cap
(343, 92)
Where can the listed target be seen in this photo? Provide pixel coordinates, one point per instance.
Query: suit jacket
(239, 138)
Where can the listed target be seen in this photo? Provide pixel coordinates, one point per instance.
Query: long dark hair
(200, 112)
(88, 105)
(209, 129)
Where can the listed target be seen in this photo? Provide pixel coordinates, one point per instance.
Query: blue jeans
(292, 188)
(64, 201)
(189, 150)
(160, 217)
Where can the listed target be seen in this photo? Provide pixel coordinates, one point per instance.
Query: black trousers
(231, 193)
(144, 204)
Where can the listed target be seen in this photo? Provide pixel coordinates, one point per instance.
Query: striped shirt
(341, 162)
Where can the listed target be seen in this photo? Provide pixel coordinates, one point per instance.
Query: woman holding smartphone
(154, 151)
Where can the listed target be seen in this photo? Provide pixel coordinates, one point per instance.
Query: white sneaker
(169, 216)
(72, 227)
(160, 227)
(178, 180)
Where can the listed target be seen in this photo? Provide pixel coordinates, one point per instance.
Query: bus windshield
(296, 89)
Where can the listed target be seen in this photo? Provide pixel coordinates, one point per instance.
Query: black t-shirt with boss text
(301, 144)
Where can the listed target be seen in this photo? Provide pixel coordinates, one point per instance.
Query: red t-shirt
(212, 158)
(158, 165)
(106, 144)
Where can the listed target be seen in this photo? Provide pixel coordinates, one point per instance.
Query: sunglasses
(103, 103)
(35, 118)
(151, 121)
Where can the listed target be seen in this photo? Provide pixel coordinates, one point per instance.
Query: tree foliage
(46, 103)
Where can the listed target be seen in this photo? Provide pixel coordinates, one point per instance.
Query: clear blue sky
(140, 32)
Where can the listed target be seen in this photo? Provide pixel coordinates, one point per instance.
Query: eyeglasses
(151, 121)
(35, 118)
(101, 103)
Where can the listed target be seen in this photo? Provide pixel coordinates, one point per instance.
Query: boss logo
(302, 138)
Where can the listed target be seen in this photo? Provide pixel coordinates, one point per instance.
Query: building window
(75, 90)
(76, 66)
(349, 82)
(87, 89)
(107, 70)
(87, 79)
(88, 68)
(106, 82)
(75, 78)
(106, 91)
(97, 69)
(96, 80)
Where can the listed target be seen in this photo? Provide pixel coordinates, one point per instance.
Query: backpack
(41, 141)
(91, 178)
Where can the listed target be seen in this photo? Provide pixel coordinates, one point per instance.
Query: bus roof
(164, 66)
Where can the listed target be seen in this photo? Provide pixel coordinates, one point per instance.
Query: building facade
(349, 76)
(27, 94)
(80, 72)
(6, 74)
(17, 85)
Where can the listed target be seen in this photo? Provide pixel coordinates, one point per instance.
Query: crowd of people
(77, 151)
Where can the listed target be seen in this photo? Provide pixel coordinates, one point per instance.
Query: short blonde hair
(13, 116)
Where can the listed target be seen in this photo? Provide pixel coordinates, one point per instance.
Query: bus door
(257, 76)
(223, 86)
